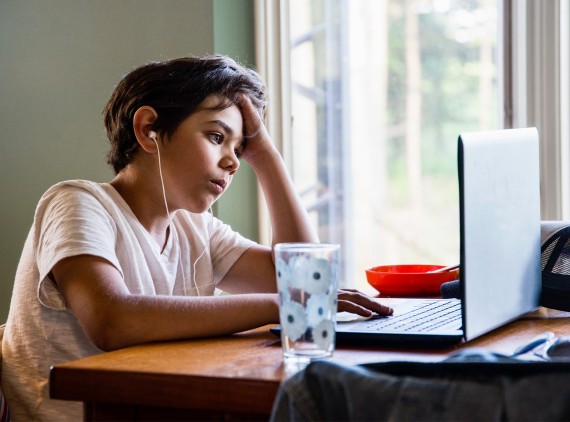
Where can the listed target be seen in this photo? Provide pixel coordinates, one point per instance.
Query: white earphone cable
(162, 184)
(172, 232)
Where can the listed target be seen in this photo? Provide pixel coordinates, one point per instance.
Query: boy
(110, 265)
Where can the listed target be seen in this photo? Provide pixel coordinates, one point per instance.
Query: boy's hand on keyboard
(353, 301)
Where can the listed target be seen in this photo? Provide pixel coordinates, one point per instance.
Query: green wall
(59, 61)
(238, 206)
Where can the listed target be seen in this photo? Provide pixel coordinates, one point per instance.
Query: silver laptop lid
(499, 193)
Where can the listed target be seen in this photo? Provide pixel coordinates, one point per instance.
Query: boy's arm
(289, 219)
(254, 270)
(114, 318)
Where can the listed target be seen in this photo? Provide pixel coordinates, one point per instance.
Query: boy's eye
(238, 152)
(216, 138)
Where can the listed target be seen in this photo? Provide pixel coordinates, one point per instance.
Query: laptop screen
(499, 195)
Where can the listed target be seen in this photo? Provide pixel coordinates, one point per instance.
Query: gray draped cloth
(474, 385)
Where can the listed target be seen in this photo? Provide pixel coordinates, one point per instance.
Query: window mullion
(536, 91)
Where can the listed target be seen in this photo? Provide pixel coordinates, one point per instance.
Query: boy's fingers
(353, 308)
(362, 301)
(250, 112)
(251, 117)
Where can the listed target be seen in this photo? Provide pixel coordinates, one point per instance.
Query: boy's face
(201, 157)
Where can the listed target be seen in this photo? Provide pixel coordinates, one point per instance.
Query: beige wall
(59, 61)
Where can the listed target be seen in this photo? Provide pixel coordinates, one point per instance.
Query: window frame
(271, 18)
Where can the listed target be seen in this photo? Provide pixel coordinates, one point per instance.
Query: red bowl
(409, 280)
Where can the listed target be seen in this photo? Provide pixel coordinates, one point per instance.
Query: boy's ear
(143, 122)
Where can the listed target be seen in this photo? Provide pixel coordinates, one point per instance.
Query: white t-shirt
(81, 217)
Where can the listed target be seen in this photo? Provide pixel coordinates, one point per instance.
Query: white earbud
(152, 135)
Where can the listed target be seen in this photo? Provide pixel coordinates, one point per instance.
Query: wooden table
(234, 377)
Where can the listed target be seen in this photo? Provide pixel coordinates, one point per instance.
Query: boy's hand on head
(353, 301)
(255, 132)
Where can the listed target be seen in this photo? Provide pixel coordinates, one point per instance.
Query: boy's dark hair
(174, 89)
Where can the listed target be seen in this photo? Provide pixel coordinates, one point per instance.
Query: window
(377, 92)
(380, 91)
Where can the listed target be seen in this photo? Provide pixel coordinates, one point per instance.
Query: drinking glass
(307, 282)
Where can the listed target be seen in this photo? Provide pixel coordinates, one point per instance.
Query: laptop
(500, 266)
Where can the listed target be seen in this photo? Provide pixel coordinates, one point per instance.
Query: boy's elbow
(104, 336)
(107, 341)
(110, 333)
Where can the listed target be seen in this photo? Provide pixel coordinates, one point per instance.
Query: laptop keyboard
(427, 317)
